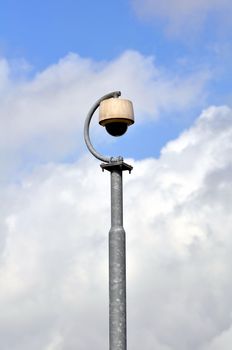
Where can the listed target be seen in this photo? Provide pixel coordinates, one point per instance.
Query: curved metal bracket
(86, 129)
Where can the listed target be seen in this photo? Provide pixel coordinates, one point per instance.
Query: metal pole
(117, 260)
(117, 267)
(117, 250)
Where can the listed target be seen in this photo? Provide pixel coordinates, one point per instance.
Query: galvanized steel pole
(117, 241)
(117, 266)
(117, 260)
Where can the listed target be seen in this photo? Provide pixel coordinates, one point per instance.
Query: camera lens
(116, 128)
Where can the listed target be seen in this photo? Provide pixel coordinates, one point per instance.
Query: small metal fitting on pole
(117, 236)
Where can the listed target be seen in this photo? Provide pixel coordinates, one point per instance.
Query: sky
(172, 59)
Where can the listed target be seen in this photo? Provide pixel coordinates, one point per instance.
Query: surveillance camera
(116, 115)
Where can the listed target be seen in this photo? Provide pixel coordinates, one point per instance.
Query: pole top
(116, 165)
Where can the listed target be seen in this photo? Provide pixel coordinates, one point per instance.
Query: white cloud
(53, 262)
(186, 17)
(43, 116)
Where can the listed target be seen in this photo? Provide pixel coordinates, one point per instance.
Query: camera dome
(116, 128)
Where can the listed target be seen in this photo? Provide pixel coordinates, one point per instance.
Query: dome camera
(116, 115)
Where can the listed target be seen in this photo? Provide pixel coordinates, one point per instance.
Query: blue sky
(173, 60)
(45, 31)
(42, 32)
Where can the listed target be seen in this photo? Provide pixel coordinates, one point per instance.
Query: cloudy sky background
(172, 59)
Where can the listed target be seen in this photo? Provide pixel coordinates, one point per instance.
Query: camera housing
(116, 115)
